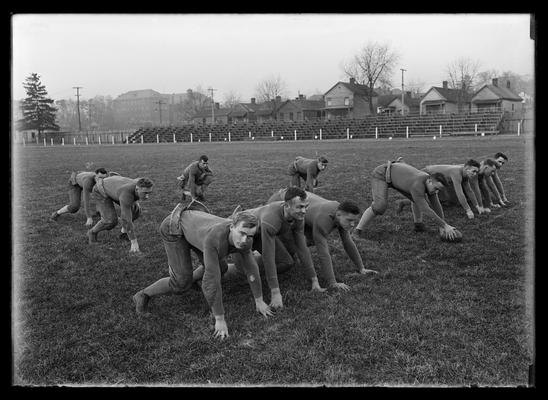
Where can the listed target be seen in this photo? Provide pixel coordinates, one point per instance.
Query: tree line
(374, 66)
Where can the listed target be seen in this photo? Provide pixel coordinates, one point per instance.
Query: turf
(437, 314)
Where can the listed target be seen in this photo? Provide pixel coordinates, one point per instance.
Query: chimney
(495, 82)
(508, 84)
(352, 81)
(217, 106)
(253, 100)
(444, 84)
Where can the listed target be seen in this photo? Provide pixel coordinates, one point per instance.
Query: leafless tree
(374, 64)
(463, 73)
(231, 99)
(269, 88)
(195, 101)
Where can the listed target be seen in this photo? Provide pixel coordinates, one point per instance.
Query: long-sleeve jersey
(410, 182)
(319, 223)
(460, 182)
(210, 234)
(498, 184)
(272, 223)
(191, 173)
(485, 180)
(308, 170)
(120, 190)
(86, 180)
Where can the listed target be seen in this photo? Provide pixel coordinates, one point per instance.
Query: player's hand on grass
(469, 214)
(365, 271)
(495, 205)
(89, 222)
(316, 286)
(449, 232)
(221, 330)
(263, 308)
(276, 298)
(340, 286)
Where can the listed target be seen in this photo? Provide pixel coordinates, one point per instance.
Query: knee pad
(378, 208)
(110, 224)
(284, 267)
(72, 209)
(179, 287)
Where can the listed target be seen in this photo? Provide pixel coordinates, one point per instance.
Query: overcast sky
(110, 54)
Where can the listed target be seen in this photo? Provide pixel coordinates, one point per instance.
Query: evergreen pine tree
(38, 110)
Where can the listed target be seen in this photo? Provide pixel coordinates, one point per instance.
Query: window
(346, 101)
(512, 107)
(328, 101)
(291, 116)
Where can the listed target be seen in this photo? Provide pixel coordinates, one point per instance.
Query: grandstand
(368, 127)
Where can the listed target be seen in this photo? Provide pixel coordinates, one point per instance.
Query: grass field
(436, 314)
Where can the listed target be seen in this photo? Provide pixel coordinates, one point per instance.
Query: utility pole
(160, 102)
(78, 105)
(89, 112)
(212, 105)
(402, 92)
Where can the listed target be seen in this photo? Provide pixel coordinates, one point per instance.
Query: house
(392, 104)
(216, 115)
(348, 100)
(148, 107)
(255, 112)
(301, 109)
(495, 97)
(442, 100)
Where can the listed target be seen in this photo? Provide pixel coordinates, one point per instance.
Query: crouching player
(213, 238)
(323, 217)
(80, 186)
(126, 192)
(418, 186)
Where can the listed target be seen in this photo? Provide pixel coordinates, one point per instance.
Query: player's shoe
(54, 216)
(124, 236)
(92, 237)
(420, 227)
(141, 302)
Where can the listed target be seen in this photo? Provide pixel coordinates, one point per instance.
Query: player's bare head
(435, 183)
(472, 163)
(145, 183)
(295, 203)
(349, 207)
(471, 168)
(501, 158)
(242, 229)
(347, 215)
(204, 158)
(293, 192)
(322, 163)
(488, 166)
(245, 218)
(499, 155)
(143, 188)
(439, 177)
